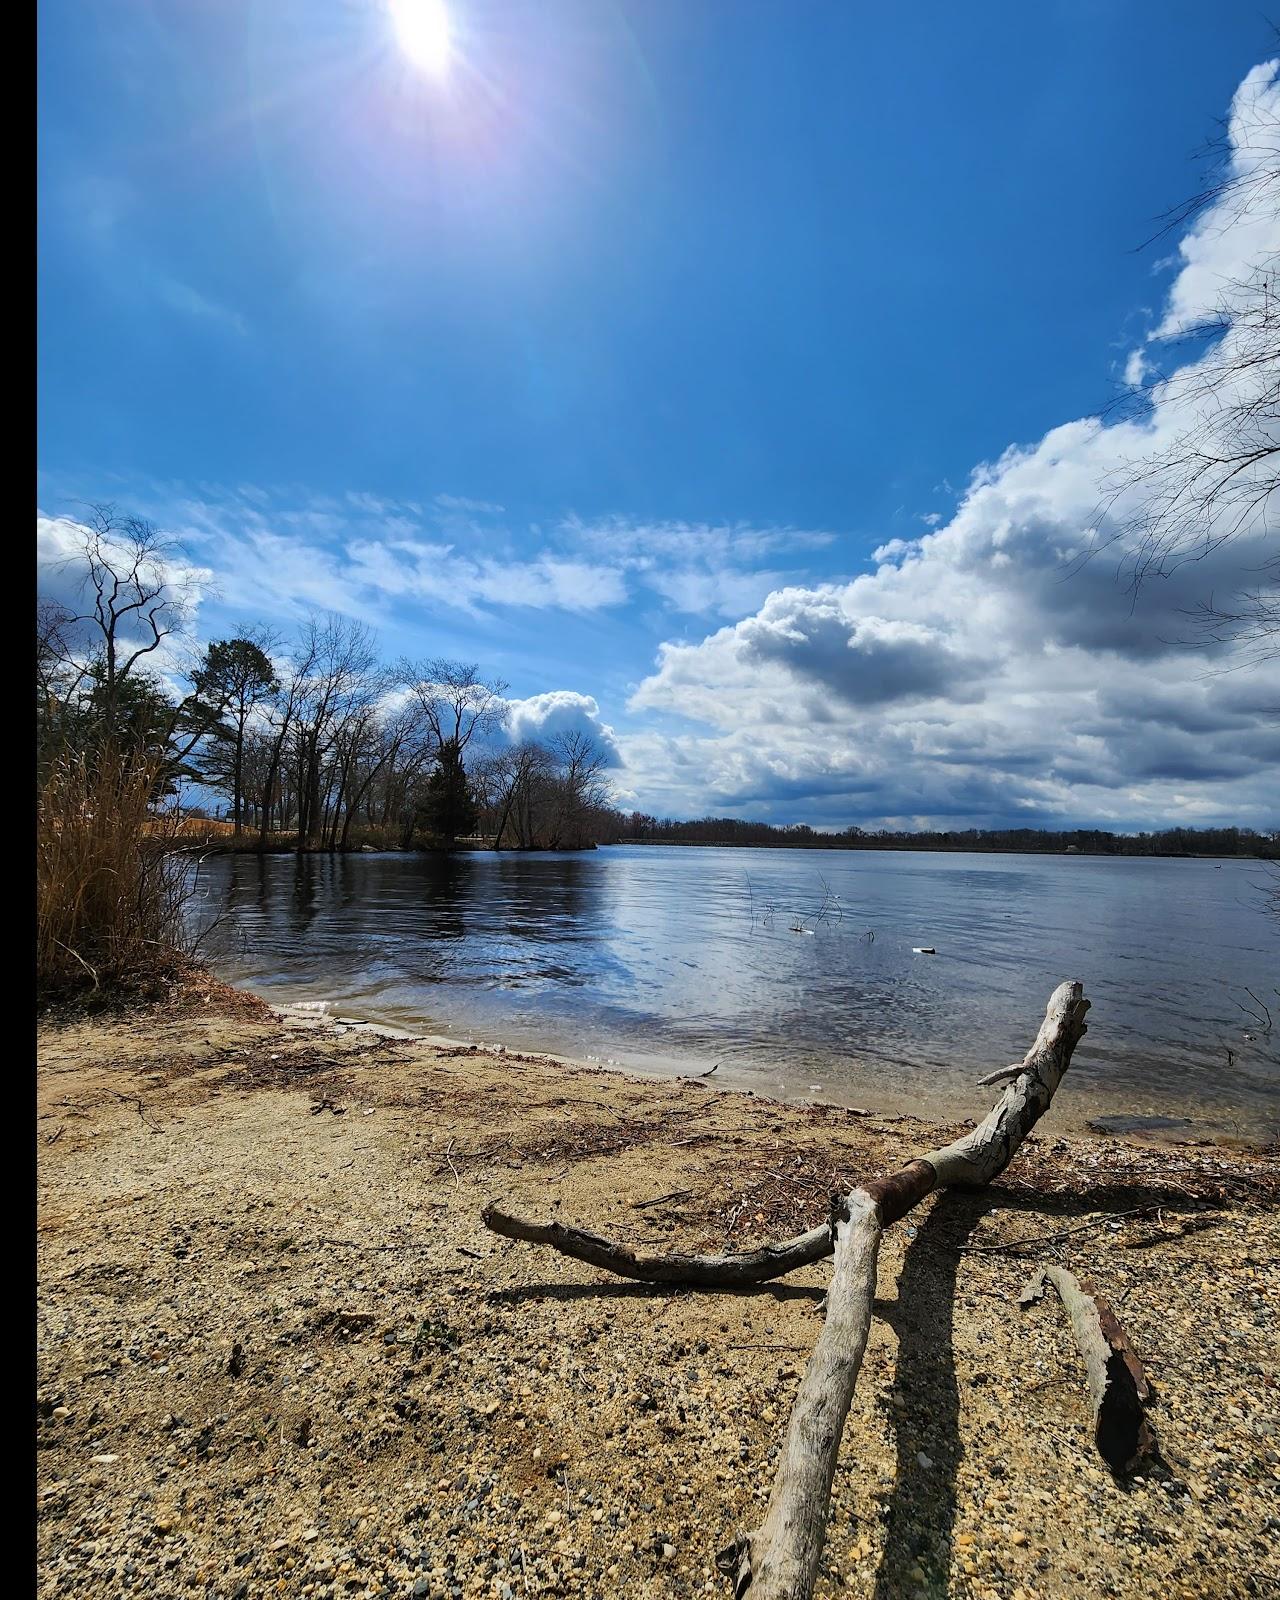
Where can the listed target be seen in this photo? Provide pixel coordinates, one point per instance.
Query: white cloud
(290, 551)
(1245, 225)
(179, 296)
(990, 668)
(409, 569)
(458, 502)
(559, 711)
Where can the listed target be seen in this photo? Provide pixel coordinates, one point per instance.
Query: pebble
(497, 1519)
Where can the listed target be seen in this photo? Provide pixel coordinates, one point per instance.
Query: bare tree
(1249, 617)
(384, 745)
(278, 727)
(582, 790)
(551, 796)
(515, 780)
(342, 677)
(58, 673)
(455, 700)
(133, 593)
(1217, 476)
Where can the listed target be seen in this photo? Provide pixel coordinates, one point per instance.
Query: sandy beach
(279, 1354)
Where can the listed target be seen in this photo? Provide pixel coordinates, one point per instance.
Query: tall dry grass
(110, 890)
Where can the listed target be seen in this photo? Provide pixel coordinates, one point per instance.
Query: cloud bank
(1004, 666)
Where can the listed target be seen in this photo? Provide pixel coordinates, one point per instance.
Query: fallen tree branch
(779, 1560)
(1117, 1381)
(689, 1271)
(780, 1557)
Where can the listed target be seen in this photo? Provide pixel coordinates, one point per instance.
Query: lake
(794, 970)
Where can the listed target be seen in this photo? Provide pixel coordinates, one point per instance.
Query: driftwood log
(1118, 1382)
(779, 1559)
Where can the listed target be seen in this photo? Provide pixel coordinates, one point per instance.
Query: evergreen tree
(234, 677)
(447, 811)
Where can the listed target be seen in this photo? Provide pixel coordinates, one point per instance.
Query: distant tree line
(637, 828)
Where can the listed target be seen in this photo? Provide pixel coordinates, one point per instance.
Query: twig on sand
(136, 1100)
(801, 1349)
(676, 1194)
(1015, 1245)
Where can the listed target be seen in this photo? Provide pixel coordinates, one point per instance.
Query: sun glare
(422, 29)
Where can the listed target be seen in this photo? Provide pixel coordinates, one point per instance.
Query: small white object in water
(923, 950)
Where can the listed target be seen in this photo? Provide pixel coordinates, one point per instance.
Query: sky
(720, 375)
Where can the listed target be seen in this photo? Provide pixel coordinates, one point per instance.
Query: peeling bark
(1118, 1382)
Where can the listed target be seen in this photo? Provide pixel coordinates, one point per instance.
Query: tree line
(639, 828)
(314, 742)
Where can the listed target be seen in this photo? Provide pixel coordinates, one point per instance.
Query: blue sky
(570, 356)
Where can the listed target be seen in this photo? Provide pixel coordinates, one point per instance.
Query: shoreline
(215, 846)
(278, 1353)
(1082, 1111)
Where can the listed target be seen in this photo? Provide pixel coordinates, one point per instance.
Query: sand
(279, 1354)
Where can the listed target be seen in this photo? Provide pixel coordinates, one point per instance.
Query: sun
(422, 29)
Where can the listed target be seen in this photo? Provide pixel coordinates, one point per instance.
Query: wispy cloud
(288, 549)
(190, 302)
(95, 208)
(699, 568)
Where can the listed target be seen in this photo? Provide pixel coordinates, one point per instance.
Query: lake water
(674, 959)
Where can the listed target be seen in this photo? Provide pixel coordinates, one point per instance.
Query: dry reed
(110, 890)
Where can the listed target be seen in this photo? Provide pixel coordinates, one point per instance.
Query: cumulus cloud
(1245, 225)
(541, 717)
(1004, 665)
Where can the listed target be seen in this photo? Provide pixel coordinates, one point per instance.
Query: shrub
(110, 889)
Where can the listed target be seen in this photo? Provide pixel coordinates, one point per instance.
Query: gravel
(278, 1353)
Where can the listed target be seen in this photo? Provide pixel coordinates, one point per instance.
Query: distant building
(1073, 850)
